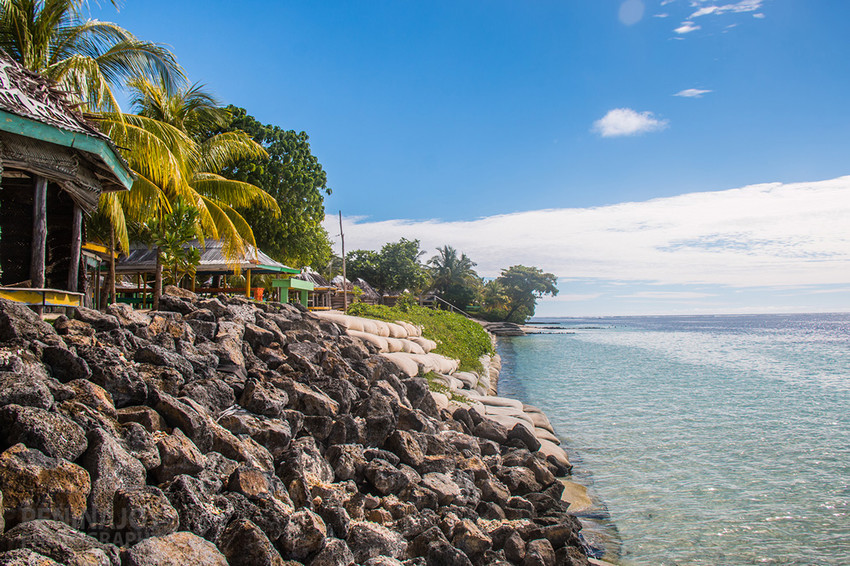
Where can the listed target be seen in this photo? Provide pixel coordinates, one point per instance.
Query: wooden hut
(320, 298)
(54, 164)
(141, 264)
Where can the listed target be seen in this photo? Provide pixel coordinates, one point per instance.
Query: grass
(456, 336)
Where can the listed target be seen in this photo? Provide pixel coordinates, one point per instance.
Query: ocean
(705, 440)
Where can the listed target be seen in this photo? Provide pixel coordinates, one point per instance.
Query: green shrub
(456, 336)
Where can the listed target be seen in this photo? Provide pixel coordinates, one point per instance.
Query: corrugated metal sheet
(143, 259)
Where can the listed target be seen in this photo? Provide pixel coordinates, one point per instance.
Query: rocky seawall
(222, 431)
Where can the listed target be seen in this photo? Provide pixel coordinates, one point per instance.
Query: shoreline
(223, 431)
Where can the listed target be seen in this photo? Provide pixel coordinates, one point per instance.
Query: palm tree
(174, 157)
(453, 276)
(85, 57)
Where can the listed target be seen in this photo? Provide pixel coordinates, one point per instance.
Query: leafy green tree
(453, 277)
(296, 180)
(169, 234)
(513, 295)
(395, 268)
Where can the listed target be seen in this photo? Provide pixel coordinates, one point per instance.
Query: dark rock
(189, 417)
(470, 539)
(19, 324)
(96, 319)
(494, 491)
(302, 460)
(202, 328)
(443, 485)
(213, 394)
(176, 548)
(171, 303)
(275, 435)
(52, 433)
(335, 553)
(36, 486)
(127, 316)
(571, 556)
(60, 542)
(381, 417)
(110, 468)
(368, 540)
(178, 455)
(64, 364)
(263, 399)
(515, 548)
(244, 544)
(539, 553)
(159, 356)
(145, 416)
(520, 432)
(310, 401)
(217, 471)
(25, 557)
(270, 514)
(518, 479)
(441, 553)
(27, 388)
(111, 371)
(385, 477)
(199, 511)
(347, 461)
(92, 395)
(491, 430)
(144, 512)
(140, 444)
(405, 445)
(304, 535)
(490, 511)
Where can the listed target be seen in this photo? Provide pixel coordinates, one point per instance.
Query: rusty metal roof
(32, 96)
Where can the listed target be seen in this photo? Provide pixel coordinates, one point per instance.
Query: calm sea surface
(708, 440)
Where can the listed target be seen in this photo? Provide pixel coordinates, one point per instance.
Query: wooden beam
(45, 132)
(76, 247)
(248, 284)
(39, 232)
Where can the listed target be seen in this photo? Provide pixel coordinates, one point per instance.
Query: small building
(141, 264)
(54, 165)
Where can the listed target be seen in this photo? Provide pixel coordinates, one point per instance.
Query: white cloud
(668, 295)
(736, 8)
(686, 27)
(661, 15)
(692, 93)
(759, 16)
(762, 235)
(626, 122)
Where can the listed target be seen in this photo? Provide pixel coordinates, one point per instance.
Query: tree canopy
(513, 295)
(296, 180)
(453, 277)
(395, 268)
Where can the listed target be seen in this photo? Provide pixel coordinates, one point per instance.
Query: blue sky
(465, 119)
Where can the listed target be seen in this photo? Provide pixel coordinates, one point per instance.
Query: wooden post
(111, 265)
(248, 284)
(39, 232)
(76, 249)
(344, 276)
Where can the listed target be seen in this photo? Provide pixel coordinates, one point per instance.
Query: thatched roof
(213, 261)
(314, 278)
(42, 132)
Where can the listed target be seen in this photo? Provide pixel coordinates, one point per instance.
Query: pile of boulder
(221, 431)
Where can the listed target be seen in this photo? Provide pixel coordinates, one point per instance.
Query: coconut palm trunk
(157, 281)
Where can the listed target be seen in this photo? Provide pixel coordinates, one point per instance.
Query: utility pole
(344, 276)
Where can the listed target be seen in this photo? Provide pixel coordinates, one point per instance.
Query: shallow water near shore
(709, 440)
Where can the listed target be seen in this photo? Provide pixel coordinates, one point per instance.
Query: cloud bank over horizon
(768, 235)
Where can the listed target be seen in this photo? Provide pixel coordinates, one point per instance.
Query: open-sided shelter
(54, 164)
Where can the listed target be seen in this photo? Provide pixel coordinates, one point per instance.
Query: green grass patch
(456, 336)
(437, 386)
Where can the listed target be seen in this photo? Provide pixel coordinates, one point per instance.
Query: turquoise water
(710, 440)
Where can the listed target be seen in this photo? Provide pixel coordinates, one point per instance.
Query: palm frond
(222, 150)
(235, 193)
(110, 207)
